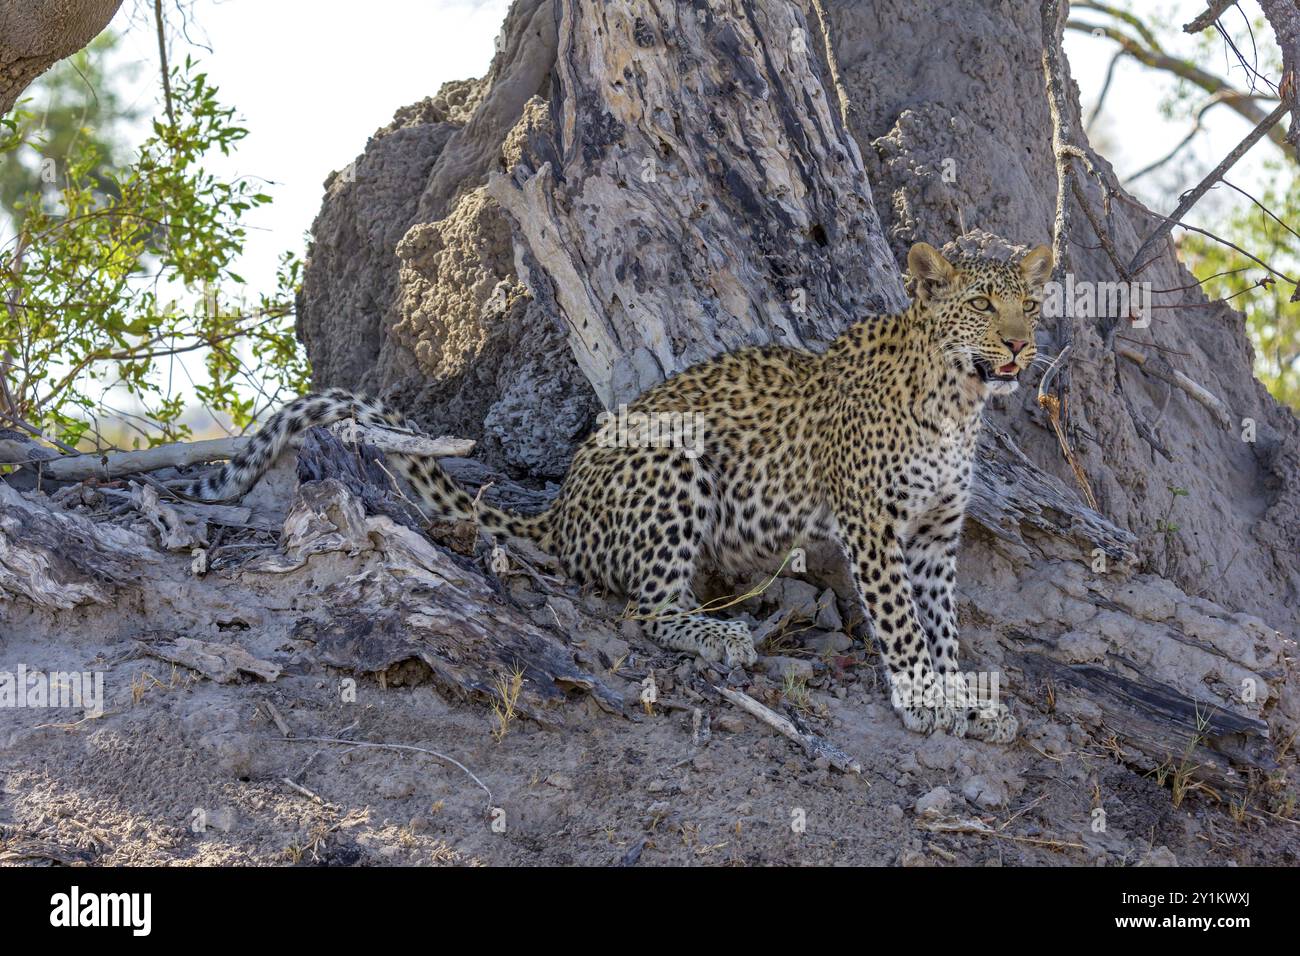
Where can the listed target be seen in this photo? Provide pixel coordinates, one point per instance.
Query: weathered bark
(351, 575)
(698, 191)
(59, 560)
(36, 34)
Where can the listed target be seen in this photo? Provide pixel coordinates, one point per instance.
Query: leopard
(869, 443)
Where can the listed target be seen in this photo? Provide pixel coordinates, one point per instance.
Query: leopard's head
(984, 311)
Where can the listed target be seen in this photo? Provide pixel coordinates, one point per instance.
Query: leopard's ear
(929, 269)
(1036, 266)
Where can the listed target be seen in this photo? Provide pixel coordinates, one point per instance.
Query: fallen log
(180, 454)
(223, 663)
(1146, 722)
(428, 608)
(55, 559)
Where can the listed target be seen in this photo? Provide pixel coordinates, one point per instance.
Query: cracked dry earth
(183, 770)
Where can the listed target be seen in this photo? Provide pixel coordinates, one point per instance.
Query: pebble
(1159, 856)
(729, 723)
(781, 667)
(984, 793)
(396, 788)
(828, 643)
(799, 596)
(935, 803)
(828, 614)
(560, 781)
(939, 752)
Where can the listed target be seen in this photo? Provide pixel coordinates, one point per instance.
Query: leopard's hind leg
(645, 518)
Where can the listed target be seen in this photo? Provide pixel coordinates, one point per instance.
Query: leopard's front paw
(931, 704)
(930, 718)
(726, 641)
(738, 645)
(995, 724)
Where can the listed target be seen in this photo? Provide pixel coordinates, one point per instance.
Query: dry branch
(1216, 9)
(1161, 370)
(222, 663)
(1193, 195)
(1151, 722)
(408, 748)
(813, 745)
(179, 454)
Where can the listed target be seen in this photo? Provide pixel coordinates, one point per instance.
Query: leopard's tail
(442, 494)
(283, 428)
(427, 477)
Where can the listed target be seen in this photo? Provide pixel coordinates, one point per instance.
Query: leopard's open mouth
(1003, 373)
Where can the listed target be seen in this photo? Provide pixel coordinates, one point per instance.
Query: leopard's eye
(980, 304)
(1030, 306)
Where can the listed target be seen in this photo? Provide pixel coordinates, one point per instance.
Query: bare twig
(1174, 377)
(1151, 55)
(983, 829)
(1206, 19)
(162, 60)
(813, 745)
(1223, 96)
(299, 788)
(1054, 408)
(399, 747)
(277, 718)
(1262, 208)
(1105, 89)
(1193, 195)
(1216, 238)
(33, 430)
(1103, 236)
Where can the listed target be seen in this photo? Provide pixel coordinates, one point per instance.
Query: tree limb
(1193, 195)
(1165, 372)
(1239, 102)
(162, 61)
(117, 464)
(37, 34)
(1206, 19)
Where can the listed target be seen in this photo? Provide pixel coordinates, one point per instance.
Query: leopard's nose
(1015, 345)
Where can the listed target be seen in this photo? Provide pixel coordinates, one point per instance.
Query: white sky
(1132, 132)
(311, 82)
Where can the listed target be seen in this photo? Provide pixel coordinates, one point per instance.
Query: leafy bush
(82, 313)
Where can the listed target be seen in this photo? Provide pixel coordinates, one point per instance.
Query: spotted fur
(870, 444)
